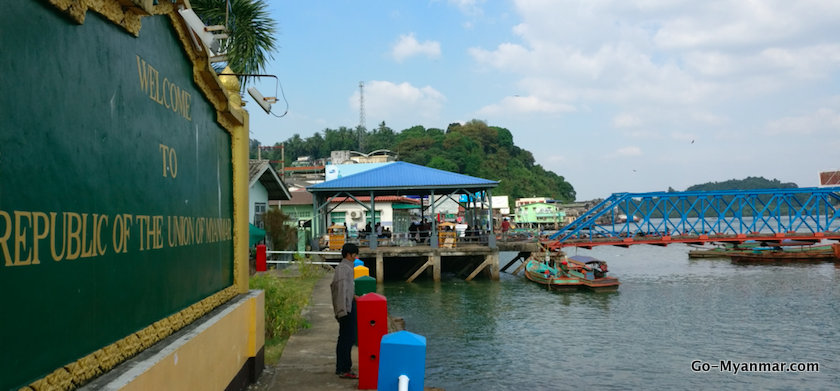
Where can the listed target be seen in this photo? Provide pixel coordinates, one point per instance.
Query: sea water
(674, 323)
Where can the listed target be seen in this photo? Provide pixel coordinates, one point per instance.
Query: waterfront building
(499, 205)
(392, 212)
(539, 214)
(298, 207)
(335, 171)
(264, 186)
(399, 179)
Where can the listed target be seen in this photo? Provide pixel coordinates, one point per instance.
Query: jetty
(438, 248)
(409, 263)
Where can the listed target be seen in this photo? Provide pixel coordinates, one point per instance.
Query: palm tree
(250, 30)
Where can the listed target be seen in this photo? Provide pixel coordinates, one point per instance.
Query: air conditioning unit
(354, 214)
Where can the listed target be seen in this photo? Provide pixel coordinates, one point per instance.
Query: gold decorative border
(234, 119)
(103, 360)
(125, 14)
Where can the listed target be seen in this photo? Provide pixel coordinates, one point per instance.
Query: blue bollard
(402, 353)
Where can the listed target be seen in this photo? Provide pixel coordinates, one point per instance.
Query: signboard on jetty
(116, 196)
(830, 178)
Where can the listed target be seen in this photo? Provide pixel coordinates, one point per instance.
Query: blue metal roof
(403, 176)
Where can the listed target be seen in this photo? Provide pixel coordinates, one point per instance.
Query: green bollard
(364, 285)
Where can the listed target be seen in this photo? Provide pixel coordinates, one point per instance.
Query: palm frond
(251, 32)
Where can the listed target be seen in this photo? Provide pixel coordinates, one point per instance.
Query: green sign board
(116, 200)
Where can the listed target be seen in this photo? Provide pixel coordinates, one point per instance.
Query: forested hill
(749, 183)
(473, 148)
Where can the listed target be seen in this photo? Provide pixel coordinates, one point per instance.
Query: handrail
(729, 212)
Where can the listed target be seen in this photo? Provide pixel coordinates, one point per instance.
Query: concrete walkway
(308, 360)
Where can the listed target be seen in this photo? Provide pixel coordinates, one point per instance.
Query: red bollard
(261, 264)
(372, 323)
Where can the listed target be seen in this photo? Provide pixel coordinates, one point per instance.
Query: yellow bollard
(359, 271)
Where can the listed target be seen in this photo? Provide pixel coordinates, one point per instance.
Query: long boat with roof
(572, 273)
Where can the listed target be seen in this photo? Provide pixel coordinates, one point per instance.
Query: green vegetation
(287, 292)
(749, 183)
(250, 28)
(473, 148)
(283, 236)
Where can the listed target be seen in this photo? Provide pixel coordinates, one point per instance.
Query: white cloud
(681, 136)
(556, 158)
(626, 121)
(408, 46)
(739, 25)
(468, 7)
(629, 151)
(823, 121)
(524, 105)
(394, 103)
(667, 52)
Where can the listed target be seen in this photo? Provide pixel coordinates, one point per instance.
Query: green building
(540, 215)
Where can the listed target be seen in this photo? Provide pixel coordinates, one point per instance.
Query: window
(338, 217)
(259, 210)
(378, 217)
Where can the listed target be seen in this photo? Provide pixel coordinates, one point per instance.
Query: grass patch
(286, 293)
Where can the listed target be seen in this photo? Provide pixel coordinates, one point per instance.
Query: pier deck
(415, 260)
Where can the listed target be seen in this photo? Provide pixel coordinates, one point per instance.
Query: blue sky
(613, 95)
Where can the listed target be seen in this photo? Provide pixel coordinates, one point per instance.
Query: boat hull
(784, 257)
(535, 272)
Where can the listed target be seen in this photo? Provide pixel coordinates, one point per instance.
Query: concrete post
(435, 258)
(380, 268)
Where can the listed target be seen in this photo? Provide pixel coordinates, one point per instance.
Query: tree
(250, 29)
(282, 235)
(473, 148)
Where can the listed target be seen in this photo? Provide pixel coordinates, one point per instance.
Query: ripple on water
(668, 312)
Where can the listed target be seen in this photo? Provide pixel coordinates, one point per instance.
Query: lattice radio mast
(362, 104)
(361, 113)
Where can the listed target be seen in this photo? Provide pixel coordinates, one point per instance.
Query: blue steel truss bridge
(661, 218)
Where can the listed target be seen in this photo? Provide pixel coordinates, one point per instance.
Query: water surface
(669, 311)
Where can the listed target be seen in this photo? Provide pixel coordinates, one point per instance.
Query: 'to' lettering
(170, 161)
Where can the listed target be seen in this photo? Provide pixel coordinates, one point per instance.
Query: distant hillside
(750, 183)
(473, 148)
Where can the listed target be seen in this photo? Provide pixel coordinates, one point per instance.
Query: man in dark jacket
(344, 306)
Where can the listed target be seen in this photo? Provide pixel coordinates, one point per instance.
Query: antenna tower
(361, 114)
(362, 104)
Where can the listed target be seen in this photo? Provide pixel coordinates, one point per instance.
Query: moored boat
(798, 255)
(725, 250)
(721, 251)
(579, 272)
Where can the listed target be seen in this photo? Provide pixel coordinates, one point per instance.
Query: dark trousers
(346, 340)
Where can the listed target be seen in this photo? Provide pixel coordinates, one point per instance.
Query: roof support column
(315, 223)
(433, 239)
(373, 236)
(492, 238)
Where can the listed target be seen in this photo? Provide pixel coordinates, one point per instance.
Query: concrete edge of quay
(308, 360)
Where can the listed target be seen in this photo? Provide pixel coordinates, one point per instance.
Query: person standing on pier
(344, 305)
(505, 229)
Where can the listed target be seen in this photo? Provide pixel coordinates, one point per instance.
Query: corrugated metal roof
(403, 175)
(377, 199)
(262, 171)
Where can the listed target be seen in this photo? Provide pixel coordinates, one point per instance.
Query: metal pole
(314, 223)
(492, 239)
(433, 239)
(373, 236)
